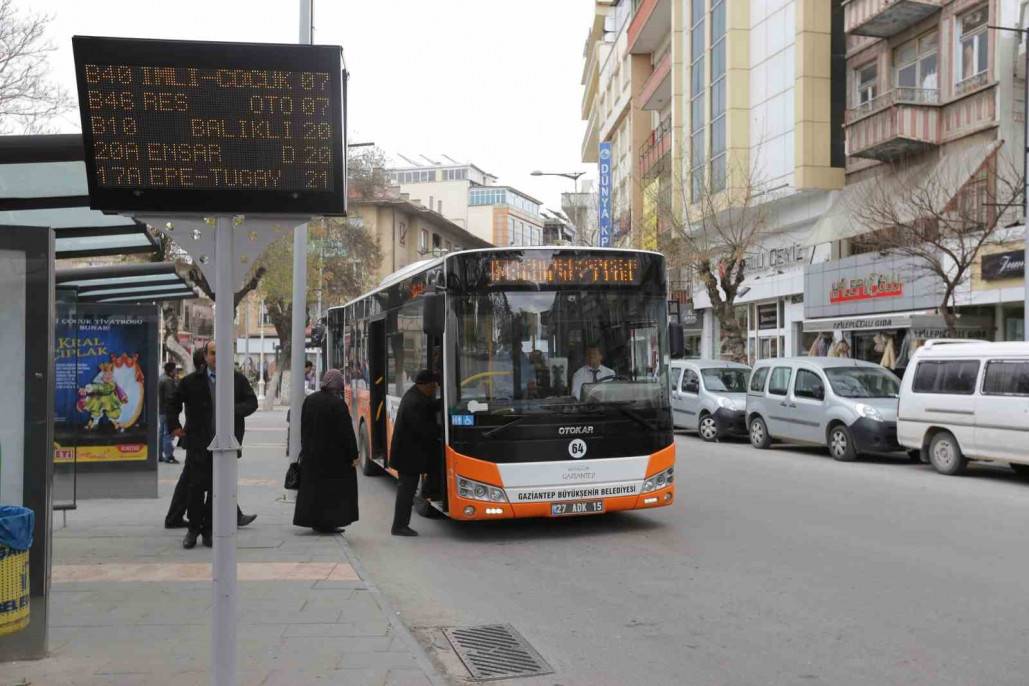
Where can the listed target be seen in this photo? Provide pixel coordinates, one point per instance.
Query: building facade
(469, 197)
(935, 100)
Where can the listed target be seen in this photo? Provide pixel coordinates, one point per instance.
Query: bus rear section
(554, 376)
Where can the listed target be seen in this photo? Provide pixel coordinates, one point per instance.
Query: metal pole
(1025, 193)
(260, 371)
(223, 449)
(296, 386)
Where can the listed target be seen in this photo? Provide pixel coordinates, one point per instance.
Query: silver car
(848, 405)
(710, 397)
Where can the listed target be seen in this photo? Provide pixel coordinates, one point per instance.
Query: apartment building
(470, 198)
(765, 85)
(934, 96)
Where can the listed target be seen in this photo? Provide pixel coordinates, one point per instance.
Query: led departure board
(187, 126)
(584, 270)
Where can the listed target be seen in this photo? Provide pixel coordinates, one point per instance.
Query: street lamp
(574, 176)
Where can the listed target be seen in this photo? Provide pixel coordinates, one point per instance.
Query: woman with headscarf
(327, 497)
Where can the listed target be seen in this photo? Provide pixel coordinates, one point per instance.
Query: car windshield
(725, 380)
(519, 352)
(862, 382)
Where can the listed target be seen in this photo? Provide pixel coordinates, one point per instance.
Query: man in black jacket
(196, 392)
(417, 440)
(175, 519)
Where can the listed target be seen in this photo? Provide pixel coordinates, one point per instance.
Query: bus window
(406, 352)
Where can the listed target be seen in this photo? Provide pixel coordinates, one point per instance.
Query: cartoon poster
(106, 360)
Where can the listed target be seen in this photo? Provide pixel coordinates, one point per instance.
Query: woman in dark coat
(327, 498)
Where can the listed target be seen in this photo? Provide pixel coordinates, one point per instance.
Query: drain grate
(496, 651)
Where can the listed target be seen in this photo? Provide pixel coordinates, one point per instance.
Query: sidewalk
(130, 606)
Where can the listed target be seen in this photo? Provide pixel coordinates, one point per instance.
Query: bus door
(377, 378)
(432, 486)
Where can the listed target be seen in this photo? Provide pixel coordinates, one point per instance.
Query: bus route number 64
(577, 448)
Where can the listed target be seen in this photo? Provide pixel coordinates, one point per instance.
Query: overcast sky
(484, 81)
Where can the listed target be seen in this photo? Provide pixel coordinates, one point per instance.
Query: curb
(421, 657)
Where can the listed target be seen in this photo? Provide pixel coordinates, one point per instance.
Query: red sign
(875, 286)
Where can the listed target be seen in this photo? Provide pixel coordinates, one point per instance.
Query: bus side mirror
(433, 314)
(676, 341)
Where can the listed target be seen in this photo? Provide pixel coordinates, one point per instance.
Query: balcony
(656, 149)
(900, 122)
(885, 18)
(656, 92)
(651, 22)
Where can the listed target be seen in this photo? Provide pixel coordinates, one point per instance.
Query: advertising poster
(106, 368)
(604, 190)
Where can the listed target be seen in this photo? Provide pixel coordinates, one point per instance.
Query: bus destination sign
(582, 270)
(186, 126)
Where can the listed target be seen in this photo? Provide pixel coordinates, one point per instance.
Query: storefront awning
(947, 176)
(895, 320)
(127, 283)
(43, 183)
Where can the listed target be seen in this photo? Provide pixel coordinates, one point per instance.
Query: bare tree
(940, 217)
(707, 232)
(29, 99)
(169, 252)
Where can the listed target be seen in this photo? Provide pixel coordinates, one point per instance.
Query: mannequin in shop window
(820, 348)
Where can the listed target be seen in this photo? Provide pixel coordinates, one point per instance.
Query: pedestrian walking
(165, 391)
(327, 497)
(416, 446)
(196, 393)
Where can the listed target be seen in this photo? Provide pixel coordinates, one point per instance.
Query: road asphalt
(773, 567)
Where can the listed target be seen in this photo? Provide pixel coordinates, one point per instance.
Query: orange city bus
(533, 426)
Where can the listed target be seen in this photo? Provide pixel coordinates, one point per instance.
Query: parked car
(967, 401)
(710, 397)
(848, 405)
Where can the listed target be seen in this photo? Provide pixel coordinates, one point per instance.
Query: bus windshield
(528, 352)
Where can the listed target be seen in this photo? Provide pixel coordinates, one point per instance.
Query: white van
(967, 401)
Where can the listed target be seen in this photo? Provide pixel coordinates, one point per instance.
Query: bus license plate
(580, 507)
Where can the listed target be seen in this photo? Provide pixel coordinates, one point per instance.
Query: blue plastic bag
(16, 525)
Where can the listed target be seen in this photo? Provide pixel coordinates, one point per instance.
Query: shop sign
(777, 258)
(768, 316)
(868, 288)
(869, 285)
(689, 317)
(1004, 265)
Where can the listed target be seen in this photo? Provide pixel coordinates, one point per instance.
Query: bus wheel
(759, 437)
(945, 454)
(368, 467)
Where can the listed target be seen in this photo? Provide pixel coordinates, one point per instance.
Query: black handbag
(292, 481)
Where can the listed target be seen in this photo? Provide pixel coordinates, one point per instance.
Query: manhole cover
(496, 651)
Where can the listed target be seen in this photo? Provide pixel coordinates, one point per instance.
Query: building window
(718, 96)
(423, 241)
(697, 119)
(972, 43)
(867, 83)
(915, 64)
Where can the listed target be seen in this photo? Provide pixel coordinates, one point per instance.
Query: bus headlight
(475, 490)
(659, 480)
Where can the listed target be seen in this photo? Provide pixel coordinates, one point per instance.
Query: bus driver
(591, 372)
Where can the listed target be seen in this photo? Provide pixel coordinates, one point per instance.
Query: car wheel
(759, 437)
(841, 444)
(368, 466)
(1020, 469)
(708, 428)
(945, 454)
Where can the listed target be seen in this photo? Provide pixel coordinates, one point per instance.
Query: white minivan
(967, 401)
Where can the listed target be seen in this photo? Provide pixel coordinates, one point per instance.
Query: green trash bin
(16, 526)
